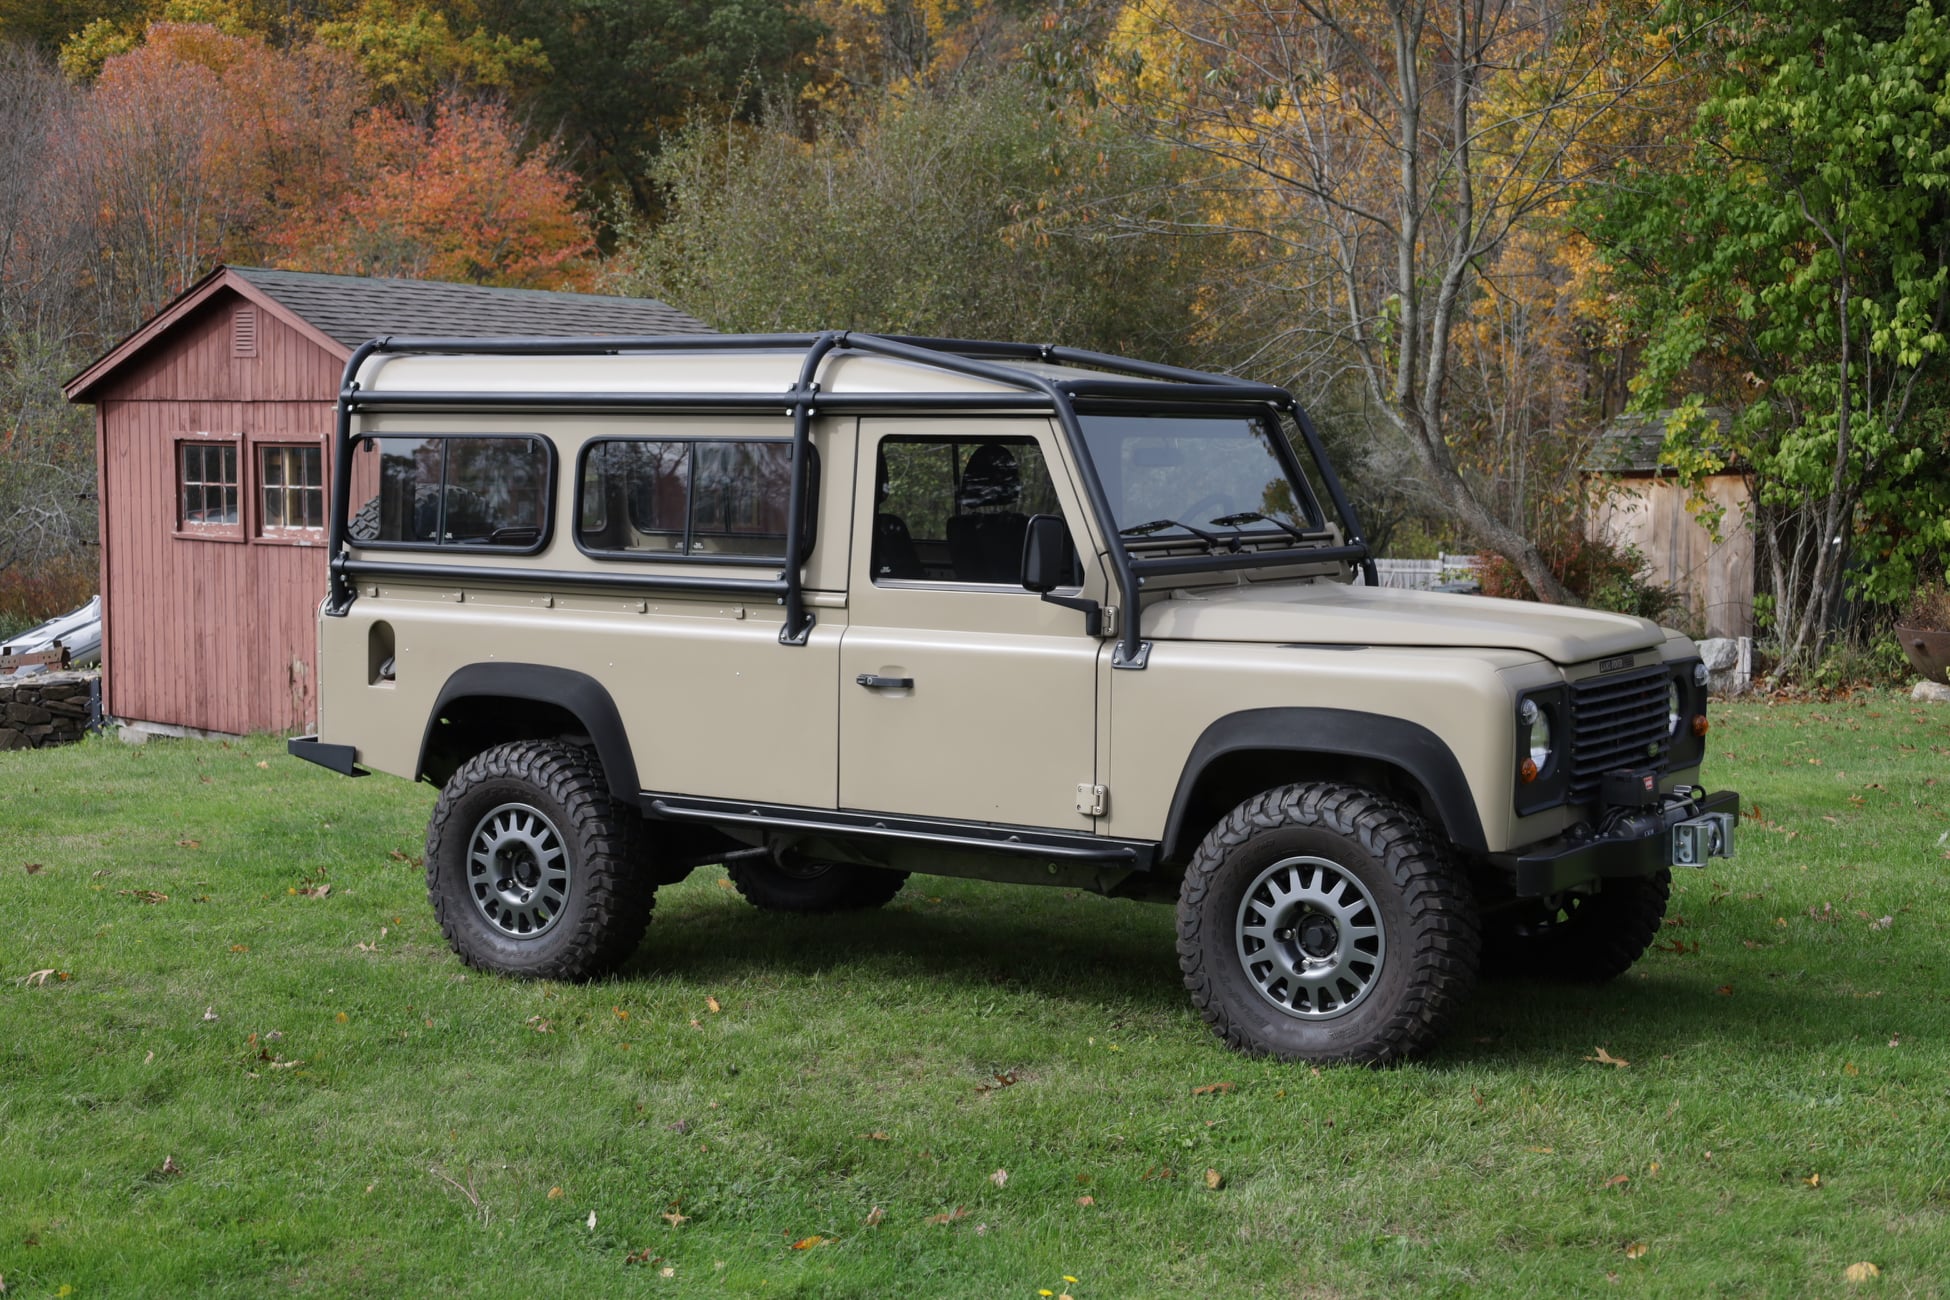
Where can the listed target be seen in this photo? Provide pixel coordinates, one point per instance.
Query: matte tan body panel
(1160, 713)
(1336, 614)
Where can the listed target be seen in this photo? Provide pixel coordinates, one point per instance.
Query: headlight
(1672, 708)
(1537, 722)
(1540, 740)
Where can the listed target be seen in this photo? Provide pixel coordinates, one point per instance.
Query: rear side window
(463, 491)
(700, 499)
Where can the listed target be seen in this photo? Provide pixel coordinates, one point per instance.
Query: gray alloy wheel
(518, 870)
(1310, 938)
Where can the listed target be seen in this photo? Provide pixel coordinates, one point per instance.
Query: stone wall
(45, 709)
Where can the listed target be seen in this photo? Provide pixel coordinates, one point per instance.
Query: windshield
(1168, 476)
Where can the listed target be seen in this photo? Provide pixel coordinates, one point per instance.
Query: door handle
(875, 682)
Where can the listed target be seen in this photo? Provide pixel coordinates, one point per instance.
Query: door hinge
(1107, 621)
(1093, 800)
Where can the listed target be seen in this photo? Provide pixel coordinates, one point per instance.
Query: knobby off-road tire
(803, 885)
(1325, 923)
(534, 868)
(1579, 938)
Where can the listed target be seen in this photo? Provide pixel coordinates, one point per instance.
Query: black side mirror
(1045, 553)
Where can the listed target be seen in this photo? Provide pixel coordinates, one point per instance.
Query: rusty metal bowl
(1929, 652)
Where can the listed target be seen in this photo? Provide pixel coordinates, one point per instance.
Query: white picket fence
(1424, 575)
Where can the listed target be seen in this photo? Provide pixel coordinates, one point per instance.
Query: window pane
(273, 508)
(1194, 469)
(467, 491)
(951, 510)
(230, 464)
(273, 466)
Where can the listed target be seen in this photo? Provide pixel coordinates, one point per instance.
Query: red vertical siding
(217, 635)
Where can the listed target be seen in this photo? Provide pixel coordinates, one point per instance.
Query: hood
(1330, 613)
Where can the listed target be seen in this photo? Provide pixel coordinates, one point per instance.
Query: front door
(962, 695)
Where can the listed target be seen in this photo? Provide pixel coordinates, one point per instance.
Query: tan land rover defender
(832, 609)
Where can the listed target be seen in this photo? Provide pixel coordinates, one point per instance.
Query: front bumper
(1637, 844)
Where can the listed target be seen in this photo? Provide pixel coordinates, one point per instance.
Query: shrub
(32, 593)
(1602, 575)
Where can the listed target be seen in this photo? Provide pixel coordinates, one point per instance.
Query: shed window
(292, 481)
(208, 484)
(698, 498)
(476, 491)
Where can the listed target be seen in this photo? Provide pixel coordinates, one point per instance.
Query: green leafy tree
(929, 219)
(1800, 268)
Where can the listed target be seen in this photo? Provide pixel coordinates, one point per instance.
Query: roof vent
(243, 332)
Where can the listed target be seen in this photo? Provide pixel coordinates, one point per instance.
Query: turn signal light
(1699, 724)
(1528, 771)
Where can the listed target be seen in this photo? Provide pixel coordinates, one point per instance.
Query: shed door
(961, 694)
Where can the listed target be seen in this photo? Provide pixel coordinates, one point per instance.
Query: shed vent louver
(243, 332)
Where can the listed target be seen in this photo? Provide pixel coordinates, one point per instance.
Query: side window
(701, 499)
(206, 482)
(462, 491)
(292, 481)
(955, 510)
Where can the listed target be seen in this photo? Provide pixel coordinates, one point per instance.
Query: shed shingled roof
(354, 308)
(1631, 443)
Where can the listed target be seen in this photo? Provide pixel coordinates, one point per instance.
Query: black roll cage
(1127, 384)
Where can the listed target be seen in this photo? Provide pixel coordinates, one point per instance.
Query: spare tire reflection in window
(472, 491)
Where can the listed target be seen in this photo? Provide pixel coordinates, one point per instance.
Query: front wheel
(1325, 923)
(534, 867)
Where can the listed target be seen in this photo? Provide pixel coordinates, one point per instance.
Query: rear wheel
(1325, 923)
(1579, 938)
(804, 885)
(534, 867)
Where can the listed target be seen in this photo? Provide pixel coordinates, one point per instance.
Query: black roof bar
(1125, 381)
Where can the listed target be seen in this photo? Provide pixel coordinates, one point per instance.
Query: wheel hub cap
(518, 871)
(1310, 938)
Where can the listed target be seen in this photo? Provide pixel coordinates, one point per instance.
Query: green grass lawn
(240, 1082)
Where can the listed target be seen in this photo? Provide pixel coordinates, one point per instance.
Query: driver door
(962, 695)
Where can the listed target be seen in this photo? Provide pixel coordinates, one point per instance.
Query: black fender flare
(580, 694)
(1343, 733)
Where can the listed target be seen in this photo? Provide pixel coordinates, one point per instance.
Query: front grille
(1614, 718)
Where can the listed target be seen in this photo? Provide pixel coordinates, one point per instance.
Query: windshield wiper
(1255, 517)
(1159, 525)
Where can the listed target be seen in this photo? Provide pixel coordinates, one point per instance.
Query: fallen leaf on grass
(539, 1025)
(1207, 1089)
(620, 1013)
(1214, 1180)
(673, 1218)
(807, 1243)
(874, 1216)
(875, 1136)
(711, 1004)
(1725, 990)
(957, 1213)
(1882, 924)
(1849, 1068)
(263, 764)
(1636, 1250)
(32, 868)
(1863, 1272)
(1606, 1058)
(36, 979)
(367, 947)
(1000, 1178)
(1618, 1180)
(554, 1193)
(641, 1257)
(146, 895)
(209, 1013)
(1086, 1200)
(592, 1220)
(1813, 1180)
(667, 1271)
(1001, 1081)
(169, 1167)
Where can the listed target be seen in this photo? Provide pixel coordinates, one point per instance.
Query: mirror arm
(1093, 613)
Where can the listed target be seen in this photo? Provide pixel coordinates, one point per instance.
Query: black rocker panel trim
(579, 694)
(992, 837)
(1342, 733)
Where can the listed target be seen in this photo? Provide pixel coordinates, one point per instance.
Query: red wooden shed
(213, 443)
